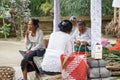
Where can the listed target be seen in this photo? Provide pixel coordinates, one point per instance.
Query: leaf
(46, 7)
(2, 8)
(1, 32)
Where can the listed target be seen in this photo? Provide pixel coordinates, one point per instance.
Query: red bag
(74, 66)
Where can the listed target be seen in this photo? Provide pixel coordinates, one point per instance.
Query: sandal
(21, 78)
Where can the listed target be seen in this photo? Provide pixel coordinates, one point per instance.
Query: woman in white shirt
(59, 43)
(82, 36)
(35, 47)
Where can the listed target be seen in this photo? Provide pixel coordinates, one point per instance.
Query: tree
(34, 6)
(5, 28)
(46, 7)
(20, 15)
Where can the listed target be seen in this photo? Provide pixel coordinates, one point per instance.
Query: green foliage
(4, 8)
(20, 15)
(22, 10)
(68, 7)
(111, 55)
(5, 30)
(107, 8)
(116, 78)
(52, 2)
(82, 7)
(4, 4)
(75, 7)
(46, 7)
(34, 6)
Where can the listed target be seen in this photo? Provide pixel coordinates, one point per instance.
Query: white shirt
(36, 42)
(86, 36)
(59, 43)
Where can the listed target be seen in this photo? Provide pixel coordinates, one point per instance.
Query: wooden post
(119, 18)
(95, 23)
(56, 15)
(116, 4)
(115, 14)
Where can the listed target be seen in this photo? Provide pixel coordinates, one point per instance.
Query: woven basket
(6, 73)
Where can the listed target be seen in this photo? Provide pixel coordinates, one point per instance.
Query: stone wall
(46, 23)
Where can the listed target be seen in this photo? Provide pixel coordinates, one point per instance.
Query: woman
(82, 36)
(59, 43)
(35, 47)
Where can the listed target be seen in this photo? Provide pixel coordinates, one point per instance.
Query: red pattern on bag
(75, 67)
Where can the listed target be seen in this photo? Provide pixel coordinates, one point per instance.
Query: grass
(117, 78)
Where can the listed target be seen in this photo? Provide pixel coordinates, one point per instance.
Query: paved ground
(9, 55)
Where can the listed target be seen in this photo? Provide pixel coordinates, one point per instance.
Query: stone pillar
(95, 23)
(97, 70)
(56, 15)
(116, 3)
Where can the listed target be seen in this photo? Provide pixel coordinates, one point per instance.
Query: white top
(86, 36)
(59, 43)
(36, 42)
(116, 3)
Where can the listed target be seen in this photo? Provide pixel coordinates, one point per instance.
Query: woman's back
(59, 43)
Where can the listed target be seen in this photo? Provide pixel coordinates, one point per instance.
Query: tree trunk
(115, 14)
(119, 18)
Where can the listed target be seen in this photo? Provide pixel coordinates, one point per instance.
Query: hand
(27, 33)
(77, 42)
(84, 43)
(27, 52)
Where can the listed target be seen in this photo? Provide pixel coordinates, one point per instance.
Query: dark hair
(65, 26)
(81, 23)
(35, 22)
